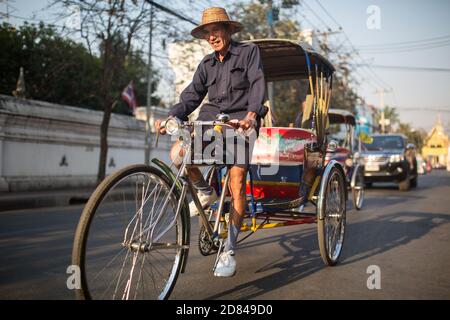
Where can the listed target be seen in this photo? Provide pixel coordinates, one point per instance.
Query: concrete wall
(45, 145)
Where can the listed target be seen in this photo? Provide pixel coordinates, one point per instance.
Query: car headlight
(396, 158)
(172, 126)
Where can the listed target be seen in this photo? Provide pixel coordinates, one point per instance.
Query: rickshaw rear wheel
(332, 218)
(358, 189)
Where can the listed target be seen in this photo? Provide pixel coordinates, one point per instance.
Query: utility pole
(149, 92)
(383, 120)
(343, 65)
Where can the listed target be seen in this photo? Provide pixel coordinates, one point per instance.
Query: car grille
(375, 159)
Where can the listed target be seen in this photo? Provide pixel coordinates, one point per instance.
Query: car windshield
(385, 142)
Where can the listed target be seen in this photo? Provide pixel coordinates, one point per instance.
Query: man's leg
(226, 266)
(206, 193)
(237, 211)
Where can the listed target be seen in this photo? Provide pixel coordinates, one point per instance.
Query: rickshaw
(345, 149)
(133, 237)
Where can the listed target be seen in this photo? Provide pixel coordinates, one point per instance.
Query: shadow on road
(369, 238)
(363, 240)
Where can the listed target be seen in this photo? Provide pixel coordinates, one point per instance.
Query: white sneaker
(205, 199)
(226, 266)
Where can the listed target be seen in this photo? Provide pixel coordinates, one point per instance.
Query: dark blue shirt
(234, 86)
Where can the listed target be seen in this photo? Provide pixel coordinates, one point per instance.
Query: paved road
(407, 235)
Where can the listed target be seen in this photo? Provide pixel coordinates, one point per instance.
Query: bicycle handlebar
(188, 124)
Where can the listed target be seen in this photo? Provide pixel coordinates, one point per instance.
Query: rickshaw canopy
(341, 116)
(285, 59)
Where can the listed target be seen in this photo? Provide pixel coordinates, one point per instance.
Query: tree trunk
(104, 141)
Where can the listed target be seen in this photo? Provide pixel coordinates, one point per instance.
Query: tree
(112, 26)
(390, 113)
(415, 136)
(343, 97)
(56, 69)
(59, 70)
(254, 18)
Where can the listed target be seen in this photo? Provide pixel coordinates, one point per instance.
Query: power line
(380, 82)
(316, 15)
(328, 14)
(394, 44)
(407, 68)
(170, 11)
(407, 49)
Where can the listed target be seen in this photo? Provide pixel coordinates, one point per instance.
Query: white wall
(44, 145)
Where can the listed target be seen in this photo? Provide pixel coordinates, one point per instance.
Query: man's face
(217, 36)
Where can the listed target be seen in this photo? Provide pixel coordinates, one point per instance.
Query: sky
(418, 96)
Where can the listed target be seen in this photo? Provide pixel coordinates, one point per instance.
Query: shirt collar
(233, 49)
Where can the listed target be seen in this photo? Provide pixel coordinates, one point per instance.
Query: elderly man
(232, 76)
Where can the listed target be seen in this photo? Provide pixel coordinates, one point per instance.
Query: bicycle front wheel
(129, 243)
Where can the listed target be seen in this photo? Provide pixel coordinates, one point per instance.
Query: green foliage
(391, 114)
(254, 18)
(56, 69)
(59, 70)
(288, 97)
(342, 96)
(415, 136)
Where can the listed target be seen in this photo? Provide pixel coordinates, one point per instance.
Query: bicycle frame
(180, 180)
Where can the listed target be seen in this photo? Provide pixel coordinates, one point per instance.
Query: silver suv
(390, 159)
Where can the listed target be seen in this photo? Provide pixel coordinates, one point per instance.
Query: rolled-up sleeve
(257, 88)
(192, 96)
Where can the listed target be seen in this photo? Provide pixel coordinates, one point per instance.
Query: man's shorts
(225, 146)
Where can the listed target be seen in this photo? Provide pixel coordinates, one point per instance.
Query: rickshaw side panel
(284, 184)
(277, 162)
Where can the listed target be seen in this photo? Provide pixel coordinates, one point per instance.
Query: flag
(129, 97)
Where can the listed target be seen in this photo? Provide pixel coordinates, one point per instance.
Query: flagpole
(149, 92)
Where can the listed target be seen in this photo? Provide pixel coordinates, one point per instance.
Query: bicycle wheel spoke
(120, 261)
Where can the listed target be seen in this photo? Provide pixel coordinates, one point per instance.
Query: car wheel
(414, 182)
(405, 185)
(416, 176)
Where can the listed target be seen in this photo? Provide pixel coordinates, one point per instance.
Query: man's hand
(248, 122)
(158, 122)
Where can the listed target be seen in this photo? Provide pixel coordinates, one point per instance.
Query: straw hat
(214, 15)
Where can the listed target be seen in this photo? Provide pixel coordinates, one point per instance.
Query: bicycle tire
(92, 210)
(335, 187)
